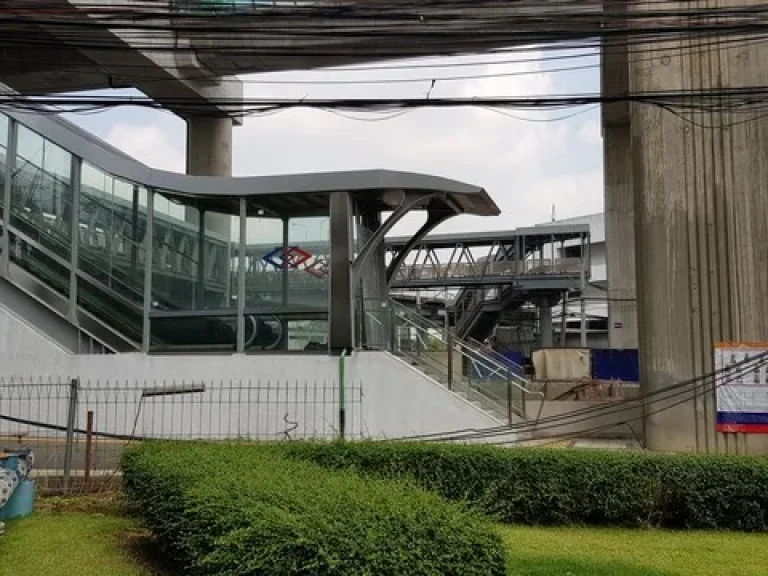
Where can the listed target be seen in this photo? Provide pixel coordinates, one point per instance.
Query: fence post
(88, 448)
(342, 397)
(509, 400)
(70, 439)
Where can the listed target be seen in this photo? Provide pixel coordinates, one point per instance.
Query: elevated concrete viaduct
(685, 193)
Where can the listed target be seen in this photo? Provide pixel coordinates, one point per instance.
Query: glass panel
(110, 307)
(40, 264)
(309, 249)
(195, 333)
(308, 335)
(175, 260)
(42, 192)
(96, 215)
(264, 273)
(113, 219)
(126, 242)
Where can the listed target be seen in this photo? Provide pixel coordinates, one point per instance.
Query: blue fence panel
(616, 365)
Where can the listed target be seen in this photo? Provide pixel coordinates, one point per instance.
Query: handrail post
(392, 328)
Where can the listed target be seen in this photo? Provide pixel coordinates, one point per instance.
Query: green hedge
(560, 487)
(247, 510)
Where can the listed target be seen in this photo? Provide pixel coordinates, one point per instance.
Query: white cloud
(149, 144)
(526, 166)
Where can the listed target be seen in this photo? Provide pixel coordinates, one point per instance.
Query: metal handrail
(494, 353)
(463, 346)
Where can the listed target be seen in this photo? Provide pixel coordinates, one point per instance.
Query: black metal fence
(79, 429)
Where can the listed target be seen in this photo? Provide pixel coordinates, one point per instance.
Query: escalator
(110, 286)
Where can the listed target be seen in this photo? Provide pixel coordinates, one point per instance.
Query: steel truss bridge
(484, 275)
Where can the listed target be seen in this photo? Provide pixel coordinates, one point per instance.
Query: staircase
(491, 382)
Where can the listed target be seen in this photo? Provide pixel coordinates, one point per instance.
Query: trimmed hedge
(562, 487)
(247, 510)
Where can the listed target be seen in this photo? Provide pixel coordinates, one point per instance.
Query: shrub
(247, 510)
(558, 487)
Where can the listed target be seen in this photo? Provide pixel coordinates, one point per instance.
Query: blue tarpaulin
(616, 365)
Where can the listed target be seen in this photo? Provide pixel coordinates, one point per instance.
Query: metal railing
(79, 429)
(487, 268)
(497, 387)
(234, 5)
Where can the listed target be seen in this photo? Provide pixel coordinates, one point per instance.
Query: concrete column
(619, 195)
(701, 225)
(341, 295)
(373, 277)
(545, 324)
(209, 153)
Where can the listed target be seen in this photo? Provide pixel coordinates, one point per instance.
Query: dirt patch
(102, 503)
(147, 553)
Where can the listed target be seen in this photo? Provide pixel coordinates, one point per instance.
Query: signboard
(742, 395)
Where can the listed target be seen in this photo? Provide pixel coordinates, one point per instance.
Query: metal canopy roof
(291, 195)
(534, 235)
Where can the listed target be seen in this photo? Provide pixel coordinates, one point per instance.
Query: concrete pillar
(209, 153)
(545, 324)
(619, 195)
(701, 225)
(373, 279)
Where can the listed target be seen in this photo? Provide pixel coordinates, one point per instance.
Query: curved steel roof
(287, 195)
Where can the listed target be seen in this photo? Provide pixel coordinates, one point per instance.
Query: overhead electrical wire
(549, 25)
(670, 396)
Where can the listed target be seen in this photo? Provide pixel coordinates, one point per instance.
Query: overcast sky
(526, 166)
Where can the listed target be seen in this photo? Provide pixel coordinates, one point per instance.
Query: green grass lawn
(76, 538)
(609, 552)
(72, 542)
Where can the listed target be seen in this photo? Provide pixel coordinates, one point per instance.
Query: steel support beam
(434, 219)
(406, 205)
(341, 305)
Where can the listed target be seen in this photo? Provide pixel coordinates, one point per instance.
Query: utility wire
(576, 416)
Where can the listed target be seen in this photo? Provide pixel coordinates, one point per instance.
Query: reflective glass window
(41, 205)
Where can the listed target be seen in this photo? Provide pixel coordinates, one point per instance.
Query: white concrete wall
(22, 345)
(398, 400)
(245, 396)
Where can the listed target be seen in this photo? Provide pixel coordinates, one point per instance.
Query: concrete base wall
(257, 395)
(626, 421)
(23, 345)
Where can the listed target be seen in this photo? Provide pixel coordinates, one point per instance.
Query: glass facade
(212, 283)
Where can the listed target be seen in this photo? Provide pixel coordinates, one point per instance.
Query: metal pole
(342, 397)
(286, 230)
(392, 328)
(241, 275)
(10, 166)
(148, 249)
(509, 400)
(564, 320)
(70, 438)
(583, 308)
(88, 448)
(449, 340)
(200, 300)
(135, 234)
(75, 234)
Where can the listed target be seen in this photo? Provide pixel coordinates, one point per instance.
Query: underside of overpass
(686, 206)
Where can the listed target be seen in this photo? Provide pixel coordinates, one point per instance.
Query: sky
(527, 161)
